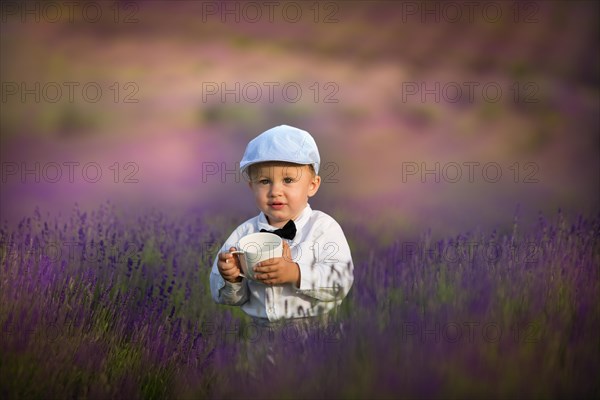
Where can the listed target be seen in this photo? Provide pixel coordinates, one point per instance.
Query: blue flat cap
(282, 143)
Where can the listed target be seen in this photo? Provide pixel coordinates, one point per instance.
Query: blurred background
(428, 115)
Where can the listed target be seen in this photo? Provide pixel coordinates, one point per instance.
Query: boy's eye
(288, 180)
(264, 181)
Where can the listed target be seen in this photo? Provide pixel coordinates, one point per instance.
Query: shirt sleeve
(224, 292)
(326, 267)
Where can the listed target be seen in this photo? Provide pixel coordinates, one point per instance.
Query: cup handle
(239, 252)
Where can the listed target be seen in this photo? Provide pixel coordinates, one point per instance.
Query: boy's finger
(223, 266)
(287, 252)
(231, 271)
(226, 266)
(261, 268)
(226, 254)
(267, 263)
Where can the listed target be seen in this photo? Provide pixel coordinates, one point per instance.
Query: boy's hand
(229, 266)
(278, 270)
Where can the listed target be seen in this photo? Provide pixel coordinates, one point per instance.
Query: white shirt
(326, 271)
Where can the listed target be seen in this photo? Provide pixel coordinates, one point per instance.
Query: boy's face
(281, 190)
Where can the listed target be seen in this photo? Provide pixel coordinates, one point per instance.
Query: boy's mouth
(276, 205)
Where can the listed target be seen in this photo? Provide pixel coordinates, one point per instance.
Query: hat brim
(245, 167)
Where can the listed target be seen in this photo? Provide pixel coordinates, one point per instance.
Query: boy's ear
(315, 183)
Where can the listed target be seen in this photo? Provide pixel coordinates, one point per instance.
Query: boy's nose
(275, 190)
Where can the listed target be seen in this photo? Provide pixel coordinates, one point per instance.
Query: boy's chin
(274, 218)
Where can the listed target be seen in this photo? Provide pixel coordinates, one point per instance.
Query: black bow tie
(287, 232)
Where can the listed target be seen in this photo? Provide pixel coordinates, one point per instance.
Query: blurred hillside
(504, 98)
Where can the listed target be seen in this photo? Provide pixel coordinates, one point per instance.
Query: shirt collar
(300, 220)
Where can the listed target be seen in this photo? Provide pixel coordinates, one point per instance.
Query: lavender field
(122, 125)
(95, 305)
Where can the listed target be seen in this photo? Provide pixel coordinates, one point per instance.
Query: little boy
(315, 272)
